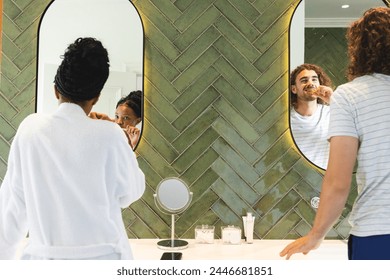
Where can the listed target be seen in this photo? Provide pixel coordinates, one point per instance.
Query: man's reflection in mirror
(128, 115)
(310, 93)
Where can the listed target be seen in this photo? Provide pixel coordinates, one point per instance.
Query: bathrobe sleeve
(13, 220)
(129, 178)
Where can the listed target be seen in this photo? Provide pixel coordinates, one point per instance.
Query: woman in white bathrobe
(69, 175)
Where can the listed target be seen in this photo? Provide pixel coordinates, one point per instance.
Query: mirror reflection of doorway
(116, 23)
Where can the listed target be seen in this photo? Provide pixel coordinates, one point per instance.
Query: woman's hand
(99, 116)
(132, 134)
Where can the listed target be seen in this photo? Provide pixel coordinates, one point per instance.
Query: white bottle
(249, 223)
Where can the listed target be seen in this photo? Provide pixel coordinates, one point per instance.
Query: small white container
(231, 235)
(204, 234)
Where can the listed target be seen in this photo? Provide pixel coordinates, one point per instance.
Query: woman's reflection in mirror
(128, 115)
(310, 93)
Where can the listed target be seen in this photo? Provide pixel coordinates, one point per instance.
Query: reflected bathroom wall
(115, 23)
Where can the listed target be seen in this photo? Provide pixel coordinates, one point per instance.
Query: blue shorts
(374, 247)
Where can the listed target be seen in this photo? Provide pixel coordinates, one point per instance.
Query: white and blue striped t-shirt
(361, 109)
(310, 134)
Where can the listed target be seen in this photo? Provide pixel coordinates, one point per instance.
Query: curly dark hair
(322, 77)
(369, 44)
(133, 101)
(83, 71)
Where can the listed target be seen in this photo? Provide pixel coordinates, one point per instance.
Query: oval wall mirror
(116, 23)
(309, 44)
(172, 197)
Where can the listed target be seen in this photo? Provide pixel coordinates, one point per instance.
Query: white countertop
(146, 249)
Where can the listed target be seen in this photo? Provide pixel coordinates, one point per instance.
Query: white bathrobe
(68, 177)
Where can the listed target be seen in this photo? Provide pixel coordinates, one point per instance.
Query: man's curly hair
(323, 79)
(369, 44)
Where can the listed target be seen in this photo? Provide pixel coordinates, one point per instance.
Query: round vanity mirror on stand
(172, 197)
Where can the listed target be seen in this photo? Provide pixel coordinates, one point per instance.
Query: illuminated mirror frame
(296, 41)
(126, 70)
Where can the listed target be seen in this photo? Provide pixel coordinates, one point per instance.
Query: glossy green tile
(262, 5)
(164, 126)
(148, 10)
(168, 9)
(195, 129)
(7, 130)
(272, 54)
(198, 207)
(9, 69)
(272, 187)
(9, 48)
(236, 79)
(22, 3)
(23, 113)
(274, 132)
(244, 25)
(272, 115)
(31, 13)
(27, 55)
(240, 166)
(192, 13)
(235, 182)
(158, 82)
(4, 149)
(182, 4)
(7, 88)
(25, 96)
(237, 40)
(160, 102)
(10, 29)
(189, 156)
(11, 9)
(27, 76)
(156, 161)
(236, 140)
(8, 110)
(27, 36)
(201, 176)
(232, 54)
(199, 85)
(197, 47)
(242, 105)
(159, 143)
(265, 80)
(273, 155)
(230, 198)
(226, 215)
(160, 62)
(242, 126)
(272, 223)
(274, 91)
(196, 69)
(197, 28)
(246, 9)
(199, 105)
(165, 46)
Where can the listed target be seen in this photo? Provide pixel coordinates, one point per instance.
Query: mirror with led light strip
(330, 14)
(116, 23)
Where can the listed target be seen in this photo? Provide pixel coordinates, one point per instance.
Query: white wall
(297, 37)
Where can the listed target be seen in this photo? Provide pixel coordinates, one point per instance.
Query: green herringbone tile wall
(216, 113)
